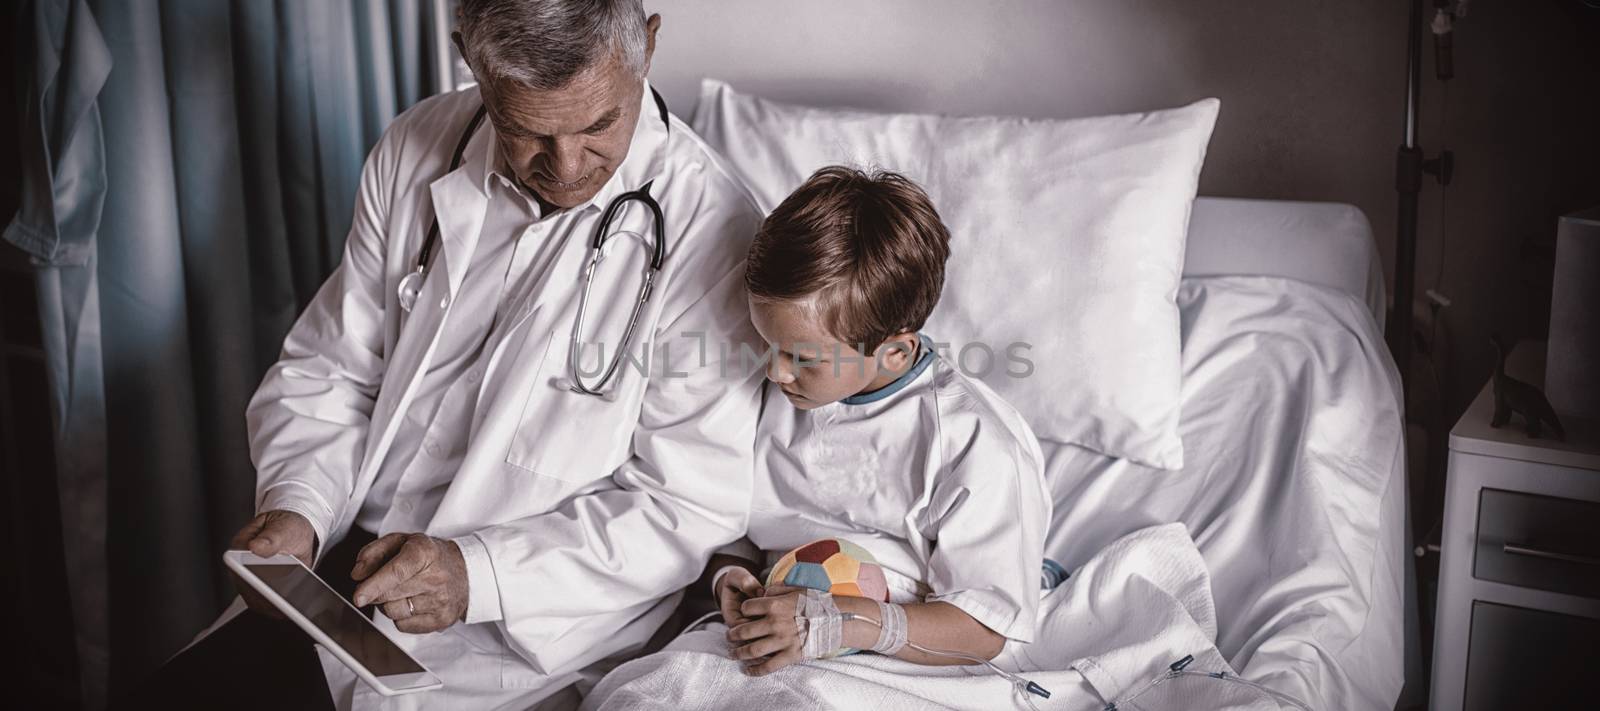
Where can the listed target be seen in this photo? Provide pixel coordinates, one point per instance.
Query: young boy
(868, 435)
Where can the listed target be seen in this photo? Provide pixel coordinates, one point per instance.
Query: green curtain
(189, 173)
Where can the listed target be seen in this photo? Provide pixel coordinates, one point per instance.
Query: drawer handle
(1514, 549)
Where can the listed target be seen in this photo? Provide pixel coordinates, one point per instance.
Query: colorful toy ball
(832, 565)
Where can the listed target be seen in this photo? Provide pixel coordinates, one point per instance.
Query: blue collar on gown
(900, 382)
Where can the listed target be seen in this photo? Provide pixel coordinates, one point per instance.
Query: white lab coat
(591, 511)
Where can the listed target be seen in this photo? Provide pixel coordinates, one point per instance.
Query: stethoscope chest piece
(411, 288)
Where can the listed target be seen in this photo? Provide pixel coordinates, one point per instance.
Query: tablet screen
(336, 618)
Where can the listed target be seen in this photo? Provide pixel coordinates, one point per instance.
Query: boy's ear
(898, 351)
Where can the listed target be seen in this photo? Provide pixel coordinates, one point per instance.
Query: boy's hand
(733, 589)
(772, 635)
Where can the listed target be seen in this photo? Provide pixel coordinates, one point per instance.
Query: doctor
(516, 530)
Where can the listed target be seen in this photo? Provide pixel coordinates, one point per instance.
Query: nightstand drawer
(1542, 542)
(1521, 658)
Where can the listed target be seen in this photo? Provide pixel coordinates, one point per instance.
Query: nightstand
(1518, 622)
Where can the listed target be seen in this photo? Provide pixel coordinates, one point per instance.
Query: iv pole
(1410, 165)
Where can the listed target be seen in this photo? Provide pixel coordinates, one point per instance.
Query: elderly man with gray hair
(442, 437)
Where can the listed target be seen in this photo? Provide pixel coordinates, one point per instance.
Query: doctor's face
(564, 144)
(810, 365)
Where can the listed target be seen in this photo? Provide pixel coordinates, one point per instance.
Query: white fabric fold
(1115, 626)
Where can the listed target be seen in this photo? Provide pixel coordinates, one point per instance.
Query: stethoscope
(411, 284)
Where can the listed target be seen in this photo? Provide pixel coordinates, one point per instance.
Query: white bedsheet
(1293, 490)
(1107, 635)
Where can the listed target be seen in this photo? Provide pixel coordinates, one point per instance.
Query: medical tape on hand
(893, 631)
(819, 616)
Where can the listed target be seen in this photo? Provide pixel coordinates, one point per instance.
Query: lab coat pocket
(573, 436)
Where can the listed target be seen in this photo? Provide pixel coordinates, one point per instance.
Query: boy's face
(810, 365)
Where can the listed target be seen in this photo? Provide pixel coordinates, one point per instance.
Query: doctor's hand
(268, 534)
(418, 581)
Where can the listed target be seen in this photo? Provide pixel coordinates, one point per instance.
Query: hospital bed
(1294, 486)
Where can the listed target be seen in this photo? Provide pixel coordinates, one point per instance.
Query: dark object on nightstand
(1512, 395)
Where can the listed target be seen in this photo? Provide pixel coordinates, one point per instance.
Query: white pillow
(1067, 235)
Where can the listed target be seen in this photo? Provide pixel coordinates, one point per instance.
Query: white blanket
(1107, 635)
(1294, 488)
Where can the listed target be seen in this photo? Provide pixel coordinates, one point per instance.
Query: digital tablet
(333, 622)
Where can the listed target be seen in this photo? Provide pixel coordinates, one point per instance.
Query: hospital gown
(933, 474)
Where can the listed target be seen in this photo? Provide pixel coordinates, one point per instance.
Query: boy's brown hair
(869, 246)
